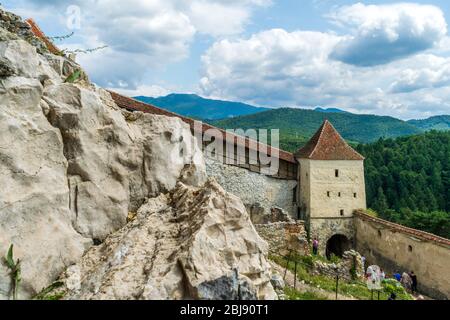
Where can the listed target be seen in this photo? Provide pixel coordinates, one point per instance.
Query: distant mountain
(436, 123)
(192, 105)
(297, 125)
(330, 110)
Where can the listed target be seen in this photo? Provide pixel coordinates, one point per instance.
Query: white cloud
(383, 33)
(429, 71)
(144, 90)
(273, 64)
(280, 68)
(143, 35)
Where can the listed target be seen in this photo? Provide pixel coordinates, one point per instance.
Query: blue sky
(380, 57)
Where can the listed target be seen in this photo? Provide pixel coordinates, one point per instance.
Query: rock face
(73, 164)
(192, 243)
(74, 167)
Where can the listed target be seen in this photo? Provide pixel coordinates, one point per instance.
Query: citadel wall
(398, 248)
(260, 193)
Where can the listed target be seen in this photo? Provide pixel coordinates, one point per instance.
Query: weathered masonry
(399, 249)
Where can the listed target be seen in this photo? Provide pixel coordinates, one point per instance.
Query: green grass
(356, 289)
(292, 294)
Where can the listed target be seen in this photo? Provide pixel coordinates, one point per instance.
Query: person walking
(406, 281)
(413, 282)
(315, 246)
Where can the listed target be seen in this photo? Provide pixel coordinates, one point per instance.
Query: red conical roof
(327, 144)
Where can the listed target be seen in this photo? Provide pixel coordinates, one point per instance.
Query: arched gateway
(337, 245)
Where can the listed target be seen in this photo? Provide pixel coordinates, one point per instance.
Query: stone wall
(260, 193)
(397, 248)
(350, 267)
(284, 236)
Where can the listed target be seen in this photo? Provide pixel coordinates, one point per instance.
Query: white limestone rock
(72, 166)
(114, 164)
(34, 212)
(193, 243)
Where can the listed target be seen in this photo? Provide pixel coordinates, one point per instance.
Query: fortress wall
(397, 248)
(258, 191)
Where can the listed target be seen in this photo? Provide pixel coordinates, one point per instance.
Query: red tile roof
(38, 33)
(327, 144)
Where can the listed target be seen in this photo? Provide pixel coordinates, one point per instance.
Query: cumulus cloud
(144, 90)
(429, 71)
(280, 68)
(384, 33)
(143, 36)
(273, 64)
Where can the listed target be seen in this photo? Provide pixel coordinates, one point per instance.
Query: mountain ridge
(296, 125)
(192, 105)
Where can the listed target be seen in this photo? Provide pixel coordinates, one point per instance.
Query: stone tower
(331, 180)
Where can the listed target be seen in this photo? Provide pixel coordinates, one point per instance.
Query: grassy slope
(355, 289)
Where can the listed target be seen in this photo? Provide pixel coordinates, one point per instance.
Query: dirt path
(303, 287)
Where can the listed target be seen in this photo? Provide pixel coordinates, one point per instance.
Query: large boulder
(73, 164)
(192, 243)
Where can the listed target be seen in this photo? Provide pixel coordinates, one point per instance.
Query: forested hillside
(408, 180)
(297, 125)
(432, 123)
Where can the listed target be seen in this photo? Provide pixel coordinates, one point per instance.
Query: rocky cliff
(74, 166)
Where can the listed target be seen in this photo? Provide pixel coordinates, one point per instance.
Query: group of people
(408, 280)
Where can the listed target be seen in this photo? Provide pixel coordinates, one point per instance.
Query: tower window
(328, 194)
(410, 248)
(336, 173)
(354, 195)
(342, 212)
(339, 194)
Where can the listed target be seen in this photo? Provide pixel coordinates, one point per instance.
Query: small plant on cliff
(73, 77)
(50, 292)
(15, 271)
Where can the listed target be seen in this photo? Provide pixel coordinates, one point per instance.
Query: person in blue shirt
(397, 276)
